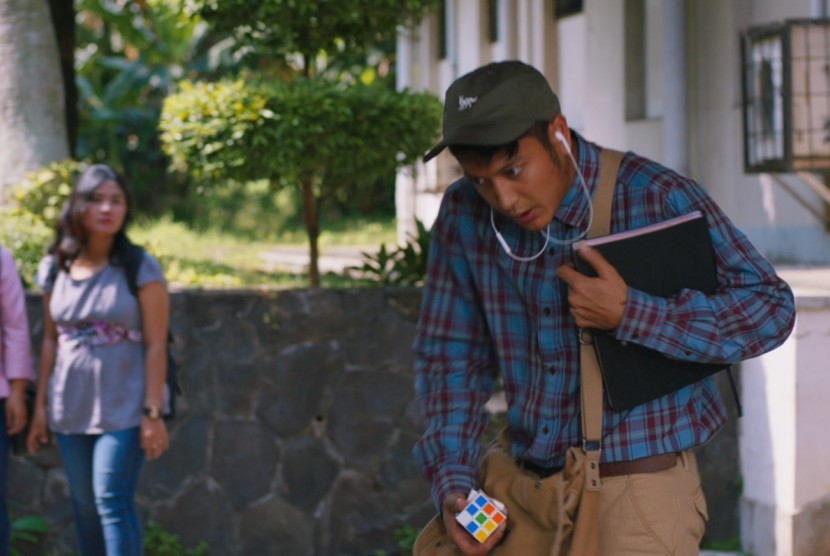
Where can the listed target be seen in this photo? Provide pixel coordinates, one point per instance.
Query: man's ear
(559, 135)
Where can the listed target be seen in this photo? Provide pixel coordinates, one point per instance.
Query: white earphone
(503, 242)
(561, 138)
(506, 247)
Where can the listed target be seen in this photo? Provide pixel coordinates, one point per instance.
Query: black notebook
(660, 259)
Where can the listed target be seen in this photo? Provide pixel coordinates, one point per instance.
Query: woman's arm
(38, 434)
(155, 315)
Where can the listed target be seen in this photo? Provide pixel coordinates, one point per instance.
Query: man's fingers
(454, 503)
(597, 261)
(568, 274)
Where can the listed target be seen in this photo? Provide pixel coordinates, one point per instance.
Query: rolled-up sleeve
(17, 349)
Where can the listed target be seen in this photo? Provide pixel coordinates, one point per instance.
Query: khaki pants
(661, 513)
(653, 513)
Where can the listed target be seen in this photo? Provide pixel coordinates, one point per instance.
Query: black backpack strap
(132, 264)
(53, 271)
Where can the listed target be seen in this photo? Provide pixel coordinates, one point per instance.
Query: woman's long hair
(70, 234)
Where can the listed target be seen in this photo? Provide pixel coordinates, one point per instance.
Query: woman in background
(102, 363)
(16, 371)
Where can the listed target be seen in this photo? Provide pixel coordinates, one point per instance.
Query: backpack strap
(132, 264)
(609, 164)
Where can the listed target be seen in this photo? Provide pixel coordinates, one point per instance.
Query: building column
(675, 96)
(785, 455)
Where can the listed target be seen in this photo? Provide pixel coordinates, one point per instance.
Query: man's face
(529, 187)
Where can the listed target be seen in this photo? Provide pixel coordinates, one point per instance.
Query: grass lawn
(217, 259)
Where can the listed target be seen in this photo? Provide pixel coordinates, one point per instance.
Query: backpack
(131, 265)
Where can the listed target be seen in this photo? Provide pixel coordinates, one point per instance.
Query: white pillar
(467, 25)
(785, 453)
(536, 39)
(403, 59)
(523, 25)
(675, 115)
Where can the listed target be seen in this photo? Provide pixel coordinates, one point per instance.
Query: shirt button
(551, 369)
(547, 311)
(545, 430)
(551, 251)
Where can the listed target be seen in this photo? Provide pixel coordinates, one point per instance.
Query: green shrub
(27, 237)
(401, 266)
(26, 226)
(319, 139)
(43, 192)
(27, 529)
(158, 542)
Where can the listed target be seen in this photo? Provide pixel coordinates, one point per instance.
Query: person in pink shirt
(16, 371)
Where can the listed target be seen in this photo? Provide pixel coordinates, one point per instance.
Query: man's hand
(595, 302)
(465, 542)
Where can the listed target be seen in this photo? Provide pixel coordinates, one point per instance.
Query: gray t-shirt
(98, 388)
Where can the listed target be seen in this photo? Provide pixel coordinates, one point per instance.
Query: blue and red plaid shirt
(484, 315)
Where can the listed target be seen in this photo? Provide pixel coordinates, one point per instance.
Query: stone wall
(295, 431)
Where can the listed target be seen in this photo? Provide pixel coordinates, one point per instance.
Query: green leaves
(347, 135)
(158, 542)
(43, 192)
(400, 266)
(326, 138)
(340, 28)
(27, 529)
(33, 208)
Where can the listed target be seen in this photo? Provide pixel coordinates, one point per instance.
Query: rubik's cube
(481, 516)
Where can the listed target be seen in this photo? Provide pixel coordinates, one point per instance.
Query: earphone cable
(546, 233)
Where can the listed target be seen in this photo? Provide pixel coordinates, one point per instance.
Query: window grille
(786, 97)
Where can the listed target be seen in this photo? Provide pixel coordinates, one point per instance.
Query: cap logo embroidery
(466, 102)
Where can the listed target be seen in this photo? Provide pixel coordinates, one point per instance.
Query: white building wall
(575, 76)
(704, 139)
(775, 222)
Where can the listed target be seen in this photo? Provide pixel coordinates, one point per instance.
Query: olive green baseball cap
(494, 105)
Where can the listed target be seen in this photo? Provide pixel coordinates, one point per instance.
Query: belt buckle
(591, 445)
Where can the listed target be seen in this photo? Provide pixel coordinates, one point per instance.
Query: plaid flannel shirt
(485, 315)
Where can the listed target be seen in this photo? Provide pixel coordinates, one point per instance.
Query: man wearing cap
(502, 299)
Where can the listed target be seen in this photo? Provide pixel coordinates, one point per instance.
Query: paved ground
(294, 258)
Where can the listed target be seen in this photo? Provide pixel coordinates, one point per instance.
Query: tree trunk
(312, 226)
(63, 20)
(32, 117)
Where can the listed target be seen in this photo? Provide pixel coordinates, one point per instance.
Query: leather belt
(650, 464)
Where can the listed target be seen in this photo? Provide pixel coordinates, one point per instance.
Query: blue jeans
(103, 472)
(5, 527)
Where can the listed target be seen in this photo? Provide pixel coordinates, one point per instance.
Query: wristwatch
(152, 412)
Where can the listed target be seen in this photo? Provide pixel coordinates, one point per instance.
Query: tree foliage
(346, 135)
(338, 28)
(322, 132)
(129, 58)
(318, 136)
